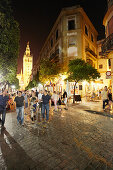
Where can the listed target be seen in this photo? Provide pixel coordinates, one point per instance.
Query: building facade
(103, 66)
(72, 36)
(24, 78)
(107, 45)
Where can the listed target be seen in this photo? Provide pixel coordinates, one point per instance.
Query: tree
(48, 70)
(80, 70)
(9, 44)
(31, 84)
(34, 82)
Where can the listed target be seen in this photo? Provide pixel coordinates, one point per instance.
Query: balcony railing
(107, 45)
(91, 52)
(54, 55)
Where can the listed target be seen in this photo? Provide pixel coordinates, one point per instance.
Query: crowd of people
(32, 103)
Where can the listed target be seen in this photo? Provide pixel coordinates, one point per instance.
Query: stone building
(107, 45)
(24, 78)
(103, 66)
(72, 36)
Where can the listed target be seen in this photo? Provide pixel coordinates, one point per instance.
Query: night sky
(36, 18)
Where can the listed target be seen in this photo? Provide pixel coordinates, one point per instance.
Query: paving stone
(74, 139)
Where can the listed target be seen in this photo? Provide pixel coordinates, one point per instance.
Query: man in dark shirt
(3, 102)
(45, 105)
(20, 108)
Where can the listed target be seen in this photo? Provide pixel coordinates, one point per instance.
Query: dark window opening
(100, 66)
(52, 43)
(80, 87)
(92, 39)
(71, 24)
(86, 30)
(109, 63)
(56, 34)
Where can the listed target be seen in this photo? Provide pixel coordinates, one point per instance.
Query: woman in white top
(55, 99)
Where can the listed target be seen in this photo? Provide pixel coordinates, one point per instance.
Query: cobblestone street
(73, 139)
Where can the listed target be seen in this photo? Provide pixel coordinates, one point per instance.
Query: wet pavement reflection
(12, 155)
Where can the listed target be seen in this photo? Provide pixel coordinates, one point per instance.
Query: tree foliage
(48, 70)
(9, 44)
(31, 84)
(80, 70)
(34, 82)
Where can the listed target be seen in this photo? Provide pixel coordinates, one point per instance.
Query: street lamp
(13, 88)
(40, 86)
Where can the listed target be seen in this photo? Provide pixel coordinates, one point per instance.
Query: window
(86, 30)
(109, 63)
(80, 87)
(72, 51)
(56, 34)
(92, 39)
(100, 66)
(71, 41)
(71, 24)
(51, 42)
(89, 61)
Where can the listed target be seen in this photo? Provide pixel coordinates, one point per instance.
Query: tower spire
(27, 49)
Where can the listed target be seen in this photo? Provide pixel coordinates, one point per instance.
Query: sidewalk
(95, 107)
(74, 139)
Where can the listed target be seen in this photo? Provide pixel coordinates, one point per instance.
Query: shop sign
(71, 34)
(108, 75)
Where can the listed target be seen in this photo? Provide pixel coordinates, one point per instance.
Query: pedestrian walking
(65, 99)
(104, 95)
(19, 99)
(40, 100)
(55, 99)
(59, 101)
(110, 98)
(45, 105)
(37, 93)
(26, 103)
(3, 102)
(33, 105)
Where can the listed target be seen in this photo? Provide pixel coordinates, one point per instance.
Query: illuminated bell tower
(27, 65)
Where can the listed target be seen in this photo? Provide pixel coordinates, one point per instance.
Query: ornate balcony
(55, 56)
(91, 52)
(107, 45)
